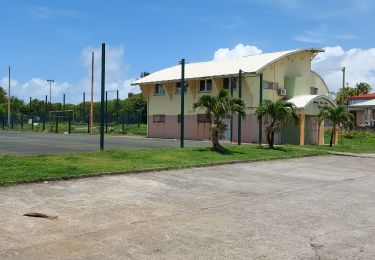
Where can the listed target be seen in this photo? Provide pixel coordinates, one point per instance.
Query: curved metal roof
(248, 64)
(303, 101)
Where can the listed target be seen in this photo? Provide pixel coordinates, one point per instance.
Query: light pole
(50, 92)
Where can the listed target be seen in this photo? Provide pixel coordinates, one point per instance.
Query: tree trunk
(332, 134)
(272, 139)
(269, 139)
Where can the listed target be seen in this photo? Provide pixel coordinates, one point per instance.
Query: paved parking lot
(27, 143)
(307, 208)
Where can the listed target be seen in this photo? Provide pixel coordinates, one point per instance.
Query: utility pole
(102, 99)
(182, 92)
(344, 92)
(92, 95)
(50, 91)
(9, 112)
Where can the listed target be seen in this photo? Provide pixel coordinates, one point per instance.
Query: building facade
(363, 109)
(273, 76)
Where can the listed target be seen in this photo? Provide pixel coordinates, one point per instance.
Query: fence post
(69, 124)
(32, 123)
(139, 117)
(57, 125)
(123, 123)
(12, 122)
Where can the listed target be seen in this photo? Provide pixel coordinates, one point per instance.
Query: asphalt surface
(307, 208)
(27, 143)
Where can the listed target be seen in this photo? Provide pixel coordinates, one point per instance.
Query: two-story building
(285, 74)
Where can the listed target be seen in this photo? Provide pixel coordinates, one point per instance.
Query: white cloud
(238, 51)
(360, 65)
(42, 12)
(116, 78)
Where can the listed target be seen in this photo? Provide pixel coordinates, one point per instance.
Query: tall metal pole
(30, 108)
(92, 94)
(106, 111)
(102, 99)
(50, 91)
(345, 92)
(182, 102)
(239, 119)
(84, 107)
(117, 106)
(64, 103)
(260, 104)
(9, 112)
(231, 116)
(45, 114)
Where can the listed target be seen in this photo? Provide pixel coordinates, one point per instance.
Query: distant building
(285, 74)
(363, 109)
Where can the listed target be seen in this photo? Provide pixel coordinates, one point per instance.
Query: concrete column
(336, 136)
(302, 129)
(320, 133)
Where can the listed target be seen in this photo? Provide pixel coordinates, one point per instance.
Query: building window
(203, 118)
(313, 91)
(229, 82)
(159, 90)
(178, 88)
(205, 85)
(159, 118)
(269, 85)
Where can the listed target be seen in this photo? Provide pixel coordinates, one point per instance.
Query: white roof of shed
(303, 101)
(368, 103)
(248, 64)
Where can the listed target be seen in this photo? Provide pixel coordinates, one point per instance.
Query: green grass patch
(357, 142)
(18, 169)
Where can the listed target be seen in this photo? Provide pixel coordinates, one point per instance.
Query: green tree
(217, 109)
(363, 88)
(343, 94)
(277, 112)
(337, 115)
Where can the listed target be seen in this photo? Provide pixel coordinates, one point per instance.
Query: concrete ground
(27, 143)
(307, 208)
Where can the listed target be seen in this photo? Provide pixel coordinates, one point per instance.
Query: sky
(54, 39)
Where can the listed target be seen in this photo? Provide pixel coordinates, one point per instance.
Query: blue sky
(53, 39)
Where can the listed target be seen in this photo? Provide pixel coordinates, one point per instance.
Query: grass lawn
(18, 169)
(360, 142)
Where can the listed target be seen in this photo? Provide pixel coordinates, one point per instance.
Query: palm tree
(338, 115)
(278, 112)
(218, 108)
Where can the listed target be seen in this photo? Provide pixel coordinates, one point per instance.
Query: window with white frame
(178, 88)
(159, 90)
(205, 85)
